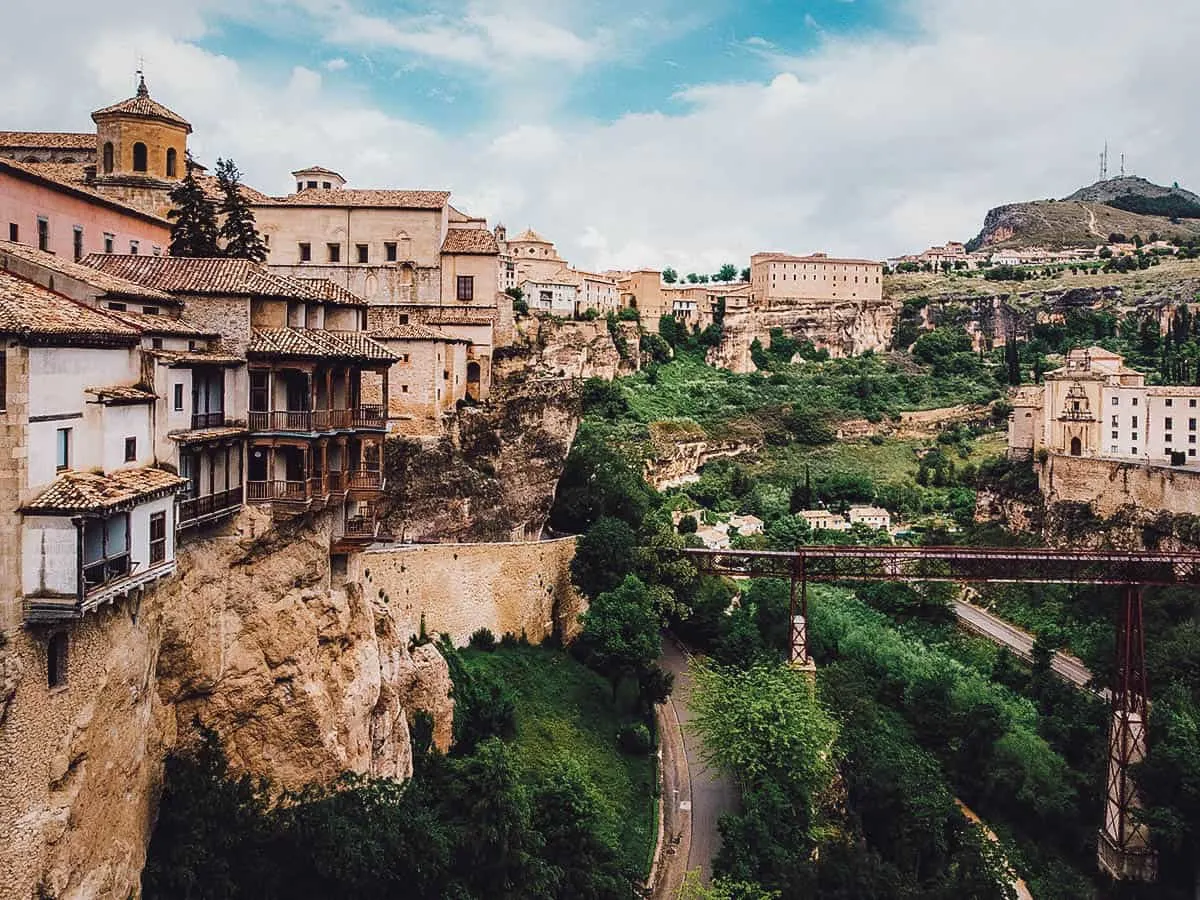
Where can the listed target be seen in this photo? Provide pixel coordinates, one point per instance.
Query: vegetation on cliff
(536, 800)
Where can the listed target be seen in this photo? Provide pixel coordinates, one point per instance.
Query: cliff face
(303, 679)
(844, 329)
(492, 476)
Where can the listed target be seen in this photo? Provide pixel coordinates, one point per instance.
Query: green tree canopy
(238, 230)
(194, 226)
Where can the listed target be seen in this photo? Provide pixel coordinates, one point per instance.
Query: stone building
(534, 257)
(430, 375)
(1096, 406)
(779, 279)
(643, 290)
(557, 295)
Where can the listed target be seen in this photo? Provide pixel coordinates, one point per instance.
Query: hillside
(1088, 216)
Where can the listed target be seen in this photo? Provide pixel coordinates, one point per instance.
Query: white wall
(119, 423)
(49, 553)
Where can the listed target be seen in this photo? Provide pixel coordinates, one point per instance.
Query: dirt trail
(1019, 885)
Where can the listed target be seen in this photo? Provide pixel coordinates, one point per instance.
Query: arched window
(1076, 447)
(108, 157)
(171, 162)
(139, 157)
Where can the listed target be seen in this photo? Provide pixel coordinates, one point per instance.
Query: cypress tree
(238, 230)
(194, 232)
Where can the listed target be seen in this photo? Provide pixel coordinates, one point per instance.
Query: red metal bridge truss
(1124, 848)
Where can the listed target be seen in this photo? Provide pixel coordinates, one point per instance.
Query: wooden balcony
(208, 420)
(103, 581)
(318, 421)
(364, 481)
(314, 488)
(195, 510)
(277, 491)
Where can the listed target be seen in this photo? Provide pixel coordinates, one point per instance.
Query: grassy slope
(565, 709)
(1165, 277)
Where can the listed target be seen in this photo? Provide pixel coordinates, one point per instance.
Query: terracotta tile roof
(49, 140)
(369, 198)
(181, 358)
(470, 240)
(72, 177)
(205, 275)
(161, 325)
(110, 285)
(141, 106)
(813, 258)
(529, 236)
(460, 315)
(200, 435)
(212, 190)
(33, 313)
(121, 394)
(332, 292)
(316, 344)
(84, 492)
(414, 333)
(321, 170)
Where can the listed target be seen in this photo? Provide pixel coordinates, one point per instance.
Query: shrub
(635, 739)
(483, 639)
(688, 524)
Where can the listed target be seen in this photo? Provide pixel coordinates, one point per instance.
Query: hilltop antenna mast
(1122, 165)
(1104, 163)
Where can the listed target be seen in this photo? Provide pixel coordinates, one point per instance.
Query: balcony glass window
(158, 537)
(62, 458)
(105, 550)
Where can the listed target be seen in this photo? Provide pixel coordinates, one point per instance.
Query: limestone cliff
(492, 475)
(843, 328)
(302, 675)
(679, 450)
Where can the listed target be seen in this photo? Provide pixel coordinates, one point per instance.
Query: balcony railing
(1077, 415)
(360, 527)
(287, 491)
(365, 480)
(195, 509)
(208, 420)
(99, 573)
(318, 420)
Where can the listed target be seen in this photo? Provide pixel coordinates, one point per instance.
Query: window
(1167, 402)
(402, 319)
(1191, 451)
(404, 357)
(1167, 423)
(1134, 401)
(43, 234)
(158, 537)
(389, 250)
(133, 247)
(1112, 449)
(445, 374)
(1192, 404)
(335, 252)
(150, 310)
(466, 287)
(305, 252)
(109, 240)
(1191, 424)
(108, 157)
(1133, 450)
(105, 550)
(299, 186)
(62, 457)
(1167, 436)
(178, 398)
(1116, 401)
(326, 185)
(130, 449)
(404, 388)
(259, 391)
(362, 252)
(56, 659)
(1191, 439)
(14, 232)
(1133, 421)
(311, 184)
(1114, 422)
(1116, 435)
(171, 157)
(156, 250)
(77, 243)
(139, 157)
(155, 343)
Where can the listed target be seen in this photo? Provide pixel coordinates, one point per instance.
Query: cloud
(867, 144)
(337, 64)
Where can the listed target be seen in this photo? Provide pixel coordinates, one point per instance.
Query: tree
(688, 524)
(242, 240)
(693, 278)
(669, 275)
(603, 556)
(746, 274)
(727, 273)
(620, 637)
(194, 230)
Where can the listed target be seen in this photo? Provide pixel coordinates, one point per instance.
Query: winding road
(694, 796)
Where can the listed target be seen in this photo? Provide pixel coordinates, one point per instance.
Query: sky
(683, 133)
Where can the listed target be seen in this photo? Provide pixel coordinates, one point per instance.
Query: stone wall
(511, 588)
(1108, 486)
(302, 674)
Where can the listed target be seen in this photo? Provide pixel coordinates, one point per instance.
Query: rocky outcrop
(843, 328)
(302, 675)
(548, 347)
(680, 449)
(493, 476)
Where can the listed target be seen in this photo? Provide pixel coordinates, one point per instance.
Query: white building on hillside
(871, 516)
(557, 296)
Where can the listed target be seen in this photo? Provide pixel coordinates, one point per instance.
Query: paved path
(693, 805)
(1018, 884)
(1019, 642)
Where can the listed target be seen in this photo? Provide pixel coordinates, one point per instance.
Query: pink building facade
(70, 221)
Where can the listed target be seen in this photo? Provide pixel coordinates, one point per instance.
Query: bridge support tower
(1123, 850)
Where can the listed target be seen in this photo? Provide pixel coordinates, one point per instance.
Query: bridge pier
(1123, 850)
